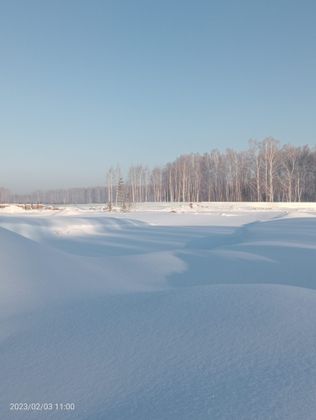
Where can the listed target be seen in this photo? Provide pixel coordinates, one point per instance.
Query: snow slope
(159, 315)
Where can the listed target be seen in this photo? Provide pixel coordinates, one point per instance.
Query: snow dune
(159, 315)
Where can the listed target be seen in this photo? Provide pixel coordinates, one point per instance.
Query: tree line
(266, 171)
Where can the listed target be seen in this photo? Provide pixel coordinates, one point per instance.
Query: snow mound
(159, 315)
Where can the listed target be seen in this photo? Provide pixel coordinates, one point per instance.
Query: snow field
(159, 315)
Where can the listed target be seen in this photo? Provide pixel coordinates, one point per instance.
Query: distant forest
(266, 171)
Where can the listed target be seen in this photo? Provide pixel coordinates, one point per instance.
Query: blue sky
(87, 84)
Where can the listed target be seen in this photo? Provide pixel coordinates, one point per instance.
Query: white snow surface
(165, 312)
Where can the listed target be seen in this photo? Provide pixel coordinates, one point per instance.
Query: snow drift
(159, 315)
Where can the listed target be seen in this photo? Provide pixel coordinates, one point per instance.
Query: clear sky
(86, 84)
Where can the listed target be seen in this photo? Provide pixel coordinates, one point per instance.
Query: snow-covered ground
(165, 312)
